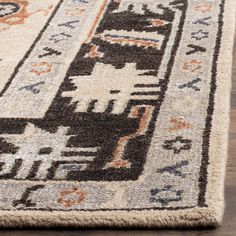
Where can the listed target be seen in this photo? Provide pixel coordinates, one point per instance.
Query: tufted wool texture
(114, 112)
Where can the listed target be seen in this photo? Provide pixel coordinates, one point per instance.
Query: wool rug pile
(114, 112)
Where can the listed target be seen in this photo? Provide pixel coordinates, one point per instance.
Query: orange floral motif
(178, 124)
(75, 11)
(71, 197)
(203, 7)
(192, 66)
(14, 12)
(41, 68)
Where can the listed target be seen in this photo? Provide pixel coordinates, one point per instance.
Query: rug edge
(219, 140)
(209, 216)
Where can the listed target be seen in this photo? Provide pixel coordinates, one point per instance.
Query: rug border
(206, 216)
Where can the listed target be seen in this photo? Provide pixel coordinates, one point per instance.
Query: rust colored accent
(178, 124)
(19, 17)
(203, 7)
(129, 41)
(101, 10)
(66, 201)
(157, 22)
(75, 11)
(117, 161)
(94, 52)
(192, 66)
(46, 68)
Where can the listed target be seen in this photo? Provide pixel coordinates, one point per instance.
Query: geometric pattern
(107, 105)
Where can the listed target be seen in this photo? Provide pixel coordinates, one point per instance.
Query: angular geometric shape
(111, 111)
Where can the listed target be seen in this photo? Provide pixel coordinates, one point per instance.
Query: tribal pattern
(98, 108)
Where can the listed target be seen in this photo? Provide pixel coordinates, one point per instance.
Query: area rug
(114, 112)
